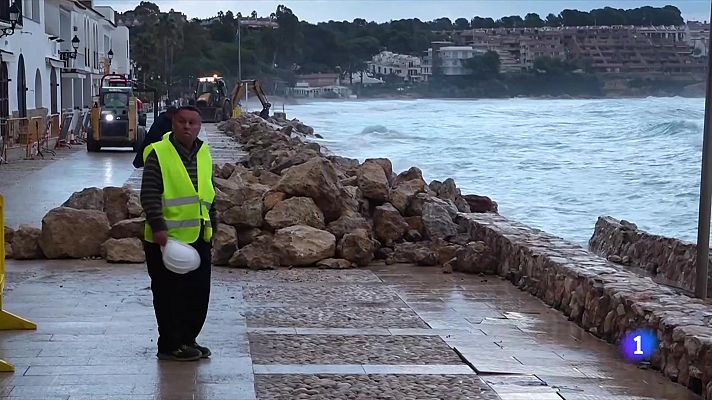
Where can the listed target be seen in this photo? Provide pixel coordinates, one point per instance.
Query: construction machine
(115, 118)
(211, 98)
(240, 91)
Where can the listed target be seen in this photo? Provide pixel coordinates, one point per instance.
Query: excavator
(214, 104)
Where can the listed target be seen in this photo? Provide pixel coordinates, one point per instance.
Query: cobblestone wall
(666, 259)
(602, 297)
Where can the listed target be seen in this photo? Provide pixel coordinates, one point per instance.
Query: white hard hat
(179, 257)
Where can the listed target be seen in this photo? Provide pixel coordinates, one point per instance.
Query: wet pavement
(33, 187)
(386, 332)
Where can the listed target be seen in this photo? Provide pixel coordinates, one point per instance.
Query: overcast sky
(385, 10)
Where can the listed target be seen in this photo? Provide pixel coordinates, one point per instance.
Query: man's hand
(161, 238)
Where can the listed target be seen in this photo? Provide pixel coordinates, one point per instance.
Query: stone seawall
(602, 297)
(666, 259)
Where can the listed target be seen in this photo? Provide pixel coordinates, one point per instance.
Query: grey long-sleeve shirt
(152, 184)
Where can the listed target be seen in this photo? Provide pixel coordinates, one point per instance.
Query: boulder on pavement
(260, 254)
(348, 222)
(401, 195)
(128, 228)
(475, 258)
(88, 199)
(25, 243)
(316, 179)
(9, 233)
(357, 247)
(8, 251)
(247, 214)
(72, 233)
(224, 244)
(246, 236)
(302, 245)
(437, 221)
(271, 199)
(373, 182)
(335, 263)
(134, 205)
(295, 211)
(116, 202)
(388, 225)
(126, 250)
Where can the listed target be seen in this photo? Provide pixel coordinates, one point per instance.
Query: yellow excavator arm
(254, 86)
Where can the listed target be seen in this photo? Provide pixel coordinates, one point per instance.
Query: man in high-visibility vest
(177, 196)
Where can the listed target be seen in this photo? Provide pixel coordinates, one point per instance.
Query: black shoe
(203, 350)
(184, 353)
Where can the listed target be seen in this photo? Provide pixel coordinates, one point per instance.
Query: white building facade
(402, 65)
(449, 60)
(35, 79)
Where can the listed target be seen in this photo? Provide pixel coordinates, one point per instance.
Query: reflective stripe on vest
(185, 210)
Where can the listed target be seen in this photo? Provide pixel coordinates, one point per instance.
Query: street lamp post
(703, 223)
(70, 55)
(239, 51)
(14, 19)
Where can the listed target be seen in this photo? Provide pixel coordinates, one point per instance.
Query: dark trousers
(180, 301)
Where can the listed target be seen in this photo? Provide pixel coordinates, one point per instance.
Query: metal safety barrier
(8, 321)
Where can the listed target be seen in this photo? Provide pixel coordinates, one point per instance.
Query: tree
(462, 24)
(482, 23)
(576, 18)
(553, 66)
(483, 67)
(441, 24)
(553, 20)
(533, 20)
(514, 21)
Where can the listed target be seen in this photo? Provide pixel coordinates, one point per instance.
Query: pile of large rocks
(291, 204)
(94, 223)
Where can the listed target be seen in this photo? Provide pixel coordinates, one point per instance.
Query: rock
(350, 181)
(385, 164)
(373, 182)
(415, 253)
(448, 266)
(335, 263)
(384, 253)
(412, 236)
(8, 251)
(416, 223)
(480, 204)
(88, 199)
(401, 195)
(415, 208)
(343, 163)
(445, 251)
(628, 226)
(247, 214)
(447, 190)
(224, 244)
(133, 206)
(388, 225)
(128, 228)
(437, 221)
(316, 179)
(222, 201)
(9, 233)
(414, 173)
(72, 233)
(615, 259)
(260, 254)
(246, 236)
(271, 199)
(25, 243)
(225, 171)
(462, 205)
(302, 245)
(127, 250)
(116, 202)
(475, 258)
(353, 201)
(295, 211)
(357, 247)
(348, 222)
(240, 192)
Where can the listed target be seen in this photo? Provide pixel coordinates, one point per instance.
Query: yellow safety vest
(184, 208)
